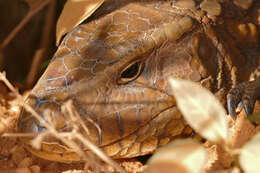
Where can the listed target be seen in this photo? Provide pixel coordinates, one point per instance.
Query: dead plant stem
(45, 43)
(27, 18)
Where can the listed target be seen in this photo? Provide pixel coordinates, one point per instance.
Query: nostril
(49, 111)
(41, 129)
(28, 124)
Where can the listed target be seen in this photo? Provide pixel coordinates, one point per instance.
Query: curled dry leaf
(250, 155)
(179, 156)
(73, 13)
(201, 109)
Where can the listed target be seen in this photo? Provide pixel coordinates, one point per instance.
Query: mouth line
(67, 149)
(136, 131)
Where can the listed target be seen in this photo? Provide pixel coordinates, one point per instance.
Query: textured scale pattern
(138, 117)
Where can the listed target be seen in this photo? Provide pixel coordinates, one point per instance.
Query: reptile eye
(131, 72)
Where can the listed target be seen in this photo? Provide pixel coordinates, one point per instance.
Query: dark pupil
(131, 71)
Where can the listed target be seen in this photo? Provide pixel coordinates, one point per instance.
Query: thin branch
(9, 85)
(26, 19)
(99, 153)
(19, 134)
(86, 142)
(45, 43)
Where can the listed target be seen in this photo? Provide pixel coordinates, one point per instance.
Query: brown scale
(114, 67)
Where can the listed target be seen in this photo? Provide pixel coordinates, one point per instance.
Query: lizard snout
(43, 112)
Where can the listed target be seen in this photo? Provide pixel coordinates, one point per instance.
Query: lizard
(115, 68)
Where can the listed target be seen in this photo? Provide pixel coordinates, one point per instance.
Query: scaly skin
(136, 113)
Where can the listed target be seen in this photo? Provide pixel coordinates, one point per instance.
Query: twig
(45, 42)
(99, 153)
(9, 85)
(68, 105)
(86, 142)
(29, 15)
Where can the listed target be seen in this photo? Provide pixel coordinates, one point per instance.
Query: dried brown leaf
(201, 109)
(180, 156)
(250, 155)
(73, 13)
(74, 171)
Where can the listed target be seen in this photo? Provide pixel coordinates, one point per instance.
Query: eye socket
(131, 72)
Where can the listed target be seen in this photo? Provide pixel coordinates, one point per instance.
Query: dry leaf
(201, 109)
(74, 171)
(250, 155)
(73, 13)
(179, 156)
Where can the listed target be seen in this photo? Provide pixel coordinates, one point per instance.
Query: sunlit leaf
(179, 156)
(73, 13)
(201, 109)
(250, 155)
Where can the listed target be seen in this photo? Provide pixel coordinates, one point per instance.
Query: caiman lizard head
(115, 67)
